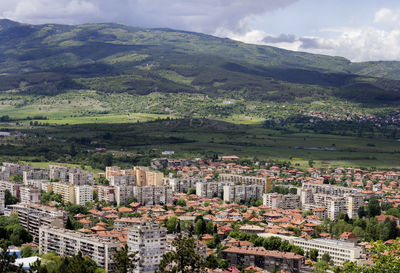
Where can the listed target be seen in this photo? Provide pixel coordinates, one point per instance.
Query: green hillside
(52, 59)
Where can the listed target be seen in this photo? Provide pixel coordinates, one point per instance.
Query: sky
(360, 30)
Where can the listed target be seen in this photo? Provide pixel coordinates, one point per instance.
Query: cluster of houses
(137, 204)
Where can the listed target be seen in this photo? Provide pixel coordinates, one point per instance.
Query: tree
(200, 227)
(125, 261)
(183, 259)
(381, 263)
(172, 224)
(210, 228)
(362, 212)
(373, 208)
(9, 199)
(326, 258)
(313, 254)
(181, 202)
(26, 251)
(191, 191)
(6, 260)
(38, 267)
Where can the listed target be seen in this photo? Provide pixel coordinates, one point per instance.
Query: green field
(204, 137)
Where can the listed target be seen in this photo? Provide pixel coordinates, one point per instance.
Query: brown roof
(260, 251)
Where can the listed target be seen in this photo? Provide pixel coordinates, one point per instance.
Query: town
(244, 216)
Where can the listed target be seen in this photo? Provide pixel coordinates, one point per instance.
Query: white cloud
(387, 18)
(204, 16)
(369, 43)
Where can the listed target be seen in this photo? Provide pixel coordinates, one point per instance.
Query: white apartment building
(183, 185)
(15, 169)
(281, 201)
(242, 193)
(248, 180)
(149, 239)
(122, 180)
(106, 193)
(153, 195)
(11, 186)
(29, 195)
(339, 251)
(65, 242)
(80, 178)
(32, 216)
(123, 193)
(211, 189)
(2, 201)
(37, 174)
(354, 202)
(83, 194)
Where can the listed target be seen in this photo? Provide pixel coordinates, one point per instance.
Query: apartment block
(65, 242)
(266, 259)
(62, 172)
(106, 193)
(339, 251)
(37, 174)
(83, 194)
(123, 193)
(183, 185)
(242, 193)
(354, 202)
(66, 190)
(265, 182)
(122, 180)
(2, 201)
(29, 195)
(149, 239)
(80, 178)
(15, 169)
(12, 187)
(153, 195)
(145, 177)
(211, 189)
(330, 189)
(115, 170)
(32, 216)
(4, 175)
(281, 201)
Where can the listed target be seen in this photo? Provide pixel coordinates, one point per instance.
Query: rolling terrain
(148, 90)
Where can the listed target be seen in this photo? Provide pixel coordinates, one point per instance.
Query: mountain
(50, 59)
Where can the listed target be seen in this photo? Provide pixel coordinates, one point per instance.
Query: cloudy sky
(361, 30)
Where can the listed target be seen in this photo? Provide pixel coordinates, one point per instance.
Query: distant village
(235, 210)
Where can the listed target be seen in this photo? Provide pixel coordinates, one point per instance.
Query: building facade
(242, 193)
(149, 239)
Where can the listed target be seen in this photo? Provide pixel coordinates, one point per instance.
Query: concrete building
(2, 201)
(122, 180)
(62, 172)
(83, 194)
(65, 242)
(106, 193)
(80, 178)
(29, 195)
(242, 193)
(266, 259)
(153, 195)
(265, 182)
(183, 185)
(145, 177)
(211, 189)
(37, 174)
(339, 251)
(12, 187)
(281, 201)
(354, 202)
(115, 170)
(32, 216)
(149, 239)
(123, 193)
(15, 169)
(66, 190)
